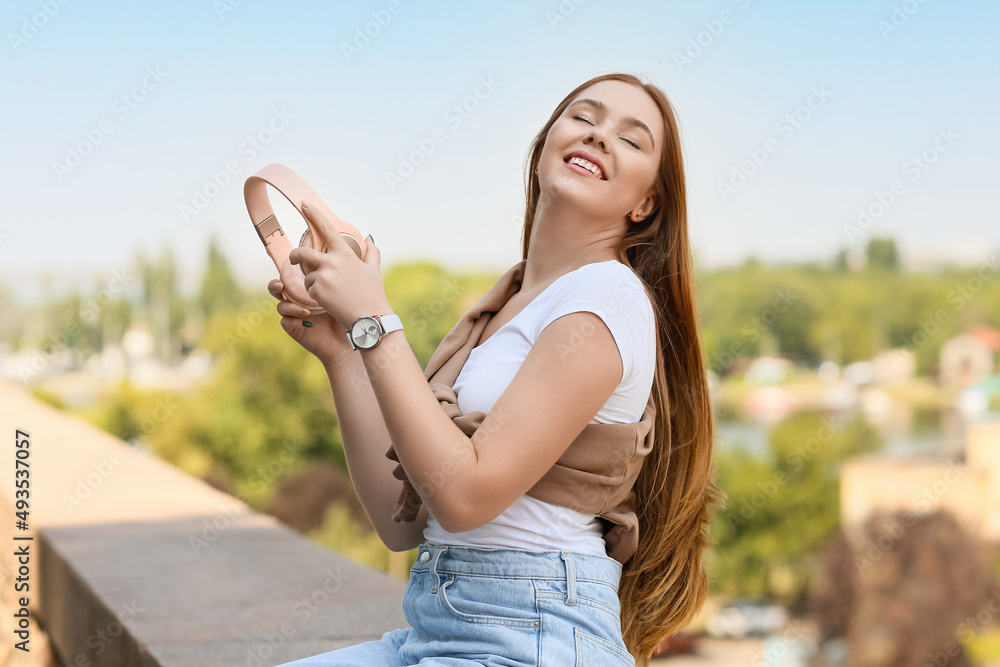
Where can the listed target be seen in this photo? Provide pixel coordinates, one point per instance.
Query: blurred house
(768, 370)
(969, 490)
(859, 372)
(966, 359)
(895, 366)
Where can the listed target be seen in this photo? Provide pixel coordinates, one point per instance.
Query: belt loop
(434, 564)
(570, 577)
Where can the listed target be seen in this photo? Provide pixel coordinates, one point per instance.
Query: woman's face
(616, 128)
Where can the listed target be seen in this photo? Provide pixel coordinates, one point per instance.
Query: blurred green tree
(161, 303)
(782, 507)
(219, 290)
(882, 254)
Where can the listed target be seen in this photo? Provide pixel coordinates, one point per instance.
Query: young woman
(603, 323)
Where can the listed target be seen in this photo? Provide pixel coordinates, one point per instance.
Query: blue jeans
(511, 607)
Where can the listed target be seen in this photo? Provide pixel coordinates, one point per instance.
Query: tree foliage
(782, 507)
(811, 314)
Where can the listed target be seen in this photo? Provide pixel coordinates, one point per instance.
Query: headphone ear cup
(307, 241)
(353, 244)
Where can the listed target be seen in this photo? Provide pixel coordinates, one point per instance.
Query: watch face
(366, 332)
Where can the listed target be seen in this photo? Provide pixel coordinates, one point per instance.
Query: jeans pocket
(491, 600)
(598, 597)
(594, 650)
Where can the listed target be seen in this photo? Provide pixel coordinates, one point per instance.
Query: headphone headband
(276, 243)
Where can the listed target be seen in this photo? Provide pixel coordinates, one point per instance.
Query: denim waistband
(509, 562)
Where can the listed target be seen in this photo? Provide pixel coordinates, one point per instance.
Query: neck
(563, 239)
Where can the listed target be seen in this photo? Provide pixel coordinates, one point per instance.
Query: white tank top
(613, 292)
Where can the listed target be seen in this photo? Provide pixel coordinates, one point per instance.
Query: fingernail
(372, 238)
(305, 204)
(307, 324)
(303, 311)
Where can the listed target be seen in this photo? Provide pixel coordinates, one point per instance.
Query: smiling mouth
(586, 165)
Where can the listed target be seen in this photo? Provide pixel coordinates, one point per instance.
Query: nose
(595, 137)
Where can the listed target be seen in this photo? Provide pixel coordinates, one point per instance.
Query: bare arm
(468, 482)
(556, 392)
(366, 441)
(362, 426)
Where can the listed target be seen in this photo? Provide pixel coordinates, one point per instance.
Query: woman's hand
(344, 285)
(326, 339)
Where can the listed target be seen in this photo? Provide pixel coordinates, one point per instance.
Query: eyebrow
(632, 121)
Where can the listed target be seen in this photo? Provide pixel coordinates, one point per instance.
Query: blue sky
(886, 79)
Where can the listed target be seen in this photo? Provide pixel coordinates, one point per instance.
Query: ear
(647, 205)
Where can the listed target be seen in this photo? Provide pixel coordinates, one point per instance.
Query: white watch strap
(390, 322)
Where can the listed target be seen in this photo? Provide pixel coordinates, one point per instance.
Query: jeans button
(425, 556)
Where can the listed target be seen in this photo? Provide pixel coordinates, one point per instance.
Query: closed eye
(625, 139)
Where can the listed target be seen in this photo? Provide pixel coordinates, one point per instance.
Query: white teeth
(586, 164)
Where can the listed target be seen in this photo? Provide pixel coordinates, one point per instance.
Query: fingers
(307, 257)
(286, 309)
(327, 231)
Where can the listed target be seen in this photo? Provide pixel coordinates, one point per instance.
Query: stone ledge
(137, 563)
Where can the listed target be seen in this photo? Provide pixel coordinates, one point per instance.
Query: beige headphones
(277, 245)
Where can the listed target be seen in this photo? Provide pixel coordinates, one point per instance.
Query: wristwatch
(368, 330)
